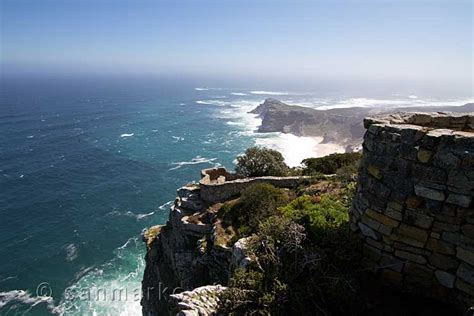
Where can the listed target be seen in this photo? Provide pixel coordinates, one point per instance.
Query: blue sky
(347, 40)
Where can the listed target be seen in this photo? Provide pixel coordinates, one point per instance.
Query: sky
(410, 40)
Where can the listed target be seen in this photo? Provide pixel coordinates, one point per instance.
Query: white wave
(114, 288)
(82, 272)
(363, 102)
(235, 123)
(30, 136)
(127, 135)
(294, 149)
(212, 102)
(207, 89)
(239, 93)
(130, 214)
(71, 252)
(238, 114)
(196, 160)
(177, 138)
(410, 101)
(262, 92)
(24, 297)
(142, 216)
(8, 278)
(166, 205)
(125, 245)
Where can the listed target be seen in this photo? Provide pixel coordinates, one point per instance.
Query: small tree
(260, 161)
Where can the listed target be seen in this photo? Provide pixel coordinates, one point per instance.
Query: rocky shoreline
(338, 126)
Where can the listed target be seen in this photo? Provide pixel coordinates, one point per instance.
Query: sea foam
(262, 92)
(212, 102)
(24, 297)
(196, 160)
(296, 148)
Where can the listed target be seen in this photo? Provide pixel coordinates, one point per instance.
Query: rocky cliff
(182, 254)
(341, 126)
(192, 250)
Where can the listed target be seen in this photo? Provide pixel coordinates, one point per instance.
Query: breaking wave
(10, 299)
(212, 102)
(196, 160)
(262, 92)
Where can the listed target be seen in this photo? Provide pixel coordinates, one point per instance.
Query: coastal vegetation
(303, 257)
(261, 161)
(332, 164)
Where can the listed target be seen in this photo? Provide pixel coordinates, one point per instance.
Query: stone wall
(218, 185)
(414, 203)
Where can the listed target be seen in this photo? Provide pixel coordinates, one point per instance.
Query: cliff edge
(341, 126)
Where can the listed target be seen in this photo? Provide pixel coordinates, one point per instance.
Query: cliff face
(185, 255)
(176, 260)
(193, 250)
(341, 126)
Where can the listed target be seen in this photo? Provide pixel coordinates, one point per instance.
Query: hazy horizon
(304, 44)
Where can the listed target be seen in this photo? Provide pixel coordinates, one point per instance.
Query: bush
(260, 201)
(292, 276)
(320, 218)
(265, 291)
(259, 161)
(248, 294)
(331, 163)
(257, 203)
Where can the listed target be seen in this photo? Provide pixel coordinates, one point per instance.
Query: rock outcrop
(191, 251)
(340, 126)
(181, 256)
(414, 203)
(202, 301)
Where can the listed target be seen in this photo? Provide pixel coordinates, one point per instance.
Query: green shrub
(265, 293)
(319, 218)
(248, 294)
(260, 201)
(331, 163)
(260, 161)
(256, 203)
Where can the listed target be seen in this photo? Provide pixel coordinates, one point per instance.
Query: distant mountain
(342, 126)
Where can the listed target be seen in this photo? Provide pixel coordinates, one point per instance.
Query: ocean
(86, 164)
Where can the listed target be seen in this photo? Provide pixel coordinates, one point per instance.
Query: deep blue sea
(85, 165)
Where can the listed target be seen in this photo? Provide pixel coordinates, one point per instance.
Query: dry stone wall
(414, 203)
(218, 185)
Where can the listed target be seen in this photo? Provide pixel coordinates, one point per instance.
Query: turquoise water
(87, 164)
